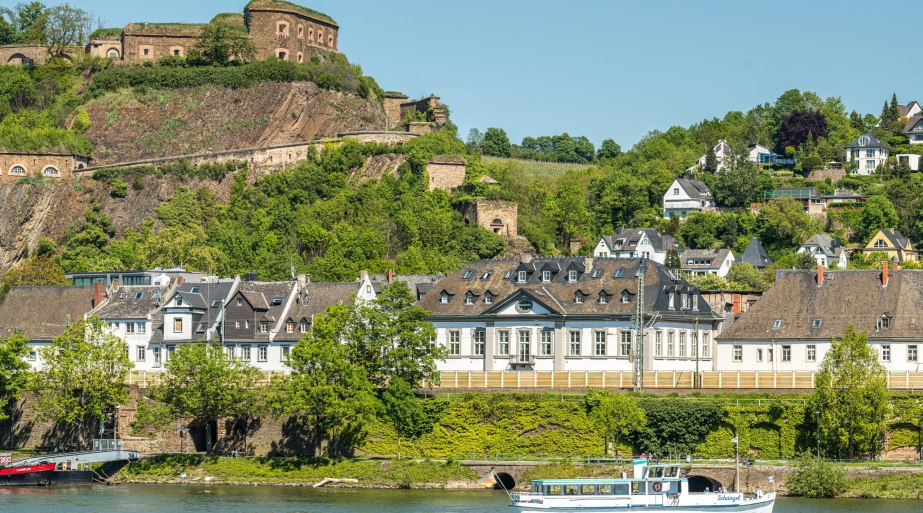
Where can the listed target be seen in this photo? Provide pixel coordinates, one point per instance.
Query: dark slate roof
(270, 297)
(831, 247)
(870, 142)
(313, 299)
(419, 284)
(42, 313)
(122, 303)
(902, 110)
(756, 255)
(715, 258)
(202, 297)
(660, 241)
(896, 239)
(615, 276)
(914, 125)
(844, 297)
(696, 189)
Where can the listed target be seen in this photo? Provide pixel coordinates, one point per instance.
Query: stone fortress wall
(14, 166)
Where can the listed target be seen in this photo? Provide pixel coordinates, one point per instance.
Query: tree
(326, 389)
(672, 260)
(571, 217)
(496, 143)
(609, 149)
(615, 415)
(746, 275)
(405, 411)
(805, 261)
(474, 141)
(14, 370)
(220, 43)
(783, 222)
(203, 382)
(711, 161)
(798, 126)
(39, 270)
(84, 374)
(851, 397)
(738, 187)
(65, 26)
(877, 214)
(24, 24)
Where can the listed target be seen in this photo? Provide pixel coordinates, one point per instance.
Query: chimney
(363, 275)
(179, 280)
(588, 264)
(735, 308)
(525, 258)
(895, 266)
(302, 281)
(820, 275)
(884, 274)
(390, 276)
(97, 294)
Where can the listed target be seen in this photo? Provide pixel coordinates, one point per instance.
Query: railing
(673, 380)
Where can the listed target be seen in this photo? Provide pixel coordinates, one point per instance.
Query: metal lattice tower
(639, 330)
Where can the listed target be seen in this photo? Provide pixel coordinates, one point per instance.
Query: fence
(671, 380)
(145, 379)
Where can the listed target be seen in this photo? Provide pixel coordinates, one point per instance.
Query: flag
(734, 440)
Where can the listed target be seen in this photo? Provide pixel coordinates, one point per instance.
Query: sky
(606, 68)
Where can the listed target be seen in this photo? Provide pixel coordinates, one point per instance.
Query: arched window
(320, 37)
(311, 35)
(300, 31)
(17, 170)
(51, 171)
(281, 28)
(300, 57)
(112, 53)
(524, 305)
(330, 40)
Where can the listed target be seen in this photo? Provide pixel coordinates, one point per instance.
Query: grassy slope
(536, 170)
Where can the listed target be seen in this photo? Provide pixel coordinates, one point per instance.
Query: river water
(227, 499)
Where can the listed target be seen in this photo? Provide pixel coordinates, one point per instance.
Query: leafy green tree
(65, 26)
(405, 411)
(326, 389)
(39, 270)
(783, 222)
(496, 143)
(474, 141)
(615, 415)
(203, 382)
(609, 149)
(672, 260)
(738, 187)
(14, 370)
(851, 397)
(805, 261)
(84, 375)
(746, 275)
(700, 231)
(676, 426)
(221, 43)
(711, 161)
(877, 214)
(815, 478)
(571, 217)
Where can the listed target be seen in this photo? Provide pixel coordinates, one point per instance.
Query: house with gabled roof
(131, 313)
(253, 315)
(722, 152)
(192, 313)
(636, 243)
(913, 129)
(570, 313)
(707, 261)
(892, 243)
(910, 110)
(686, 195)
(868, 152)
(756, 255)
(826, 250)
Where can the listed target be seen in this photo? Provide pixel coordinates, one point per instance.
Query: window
(177, 325)
(546, 276)
(130, 328)
(479, 337)
(286, 351)
(485, 276)
(290, 327)
(177, 52)
(870, 165)
(525, 343)
(603, 298)
(281, 28)
(302, 327)
(503, 343)
(706, 344)
(870, 153)
(469, 299)
(671, 351)
(157, 358)
(508, 275)
(146, 52)
(139, 295)
(626, 297)
(195, 290)
(658, 343)
(444, 298)
(618, 274)
(599, 343)
(886, 353)
(694, 346)
(237, 325)
(759, 355)
(777, 324)
(240, 301)
(738, 353)
(178, 301)
(521, 276)
(17, 170)
(524, 305)
(578, 298)
(264, 327)
(912, 353)
(575, 343)
(671, 301)
(140, 354)
(141, 327)
(454, 343)
(682, 344)
(547, 343)
(885, 322)
(625, 344)
(488, 298)
(170, 351)
(676, 191)
(300, 31)
(685, 301)
(812, 353)
(32, 356)
(769, 355)
(572, 275)
(597, 273)
(262, 353)
(468, 275)
(786, 353)
(245, 353)
(246, 324)
(282, 55)
(816, 323)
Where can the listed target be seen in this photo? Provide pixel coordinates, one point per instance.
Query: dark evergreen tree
(797, 126)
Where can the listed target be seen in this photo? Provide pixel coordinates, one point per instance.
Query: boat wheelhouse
(652, 487)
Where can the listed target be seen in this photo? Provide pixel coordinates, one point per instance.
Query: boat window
(571, 489)
(605, 489)
(553, 490)
(620, 488)
(588, 489)
(636, 488)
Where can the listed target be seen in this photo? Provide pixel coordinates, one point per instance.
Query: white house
(826, 250)
(707, 261)
(568, 314)
(911, 159)
(790, 327)
(636, 243)
(129, 312)
(868, 152)
(913, 129)
(722, 153)
(910, 110)
(687, 195)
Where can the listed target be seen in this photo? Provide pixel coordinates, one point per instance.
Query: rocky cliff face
(131, 125)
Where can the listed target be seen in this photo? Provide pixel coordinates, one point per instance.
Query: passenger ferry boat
(652, 488)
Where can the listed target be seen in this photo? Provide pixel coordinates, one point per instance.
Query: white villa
(686, 195)
(636, 243)
(826, 250)
(868, 152)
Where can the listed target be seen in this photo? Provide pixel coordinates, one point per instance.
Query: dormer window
(777, 324)
(264, 327)
(695, 303)
(885, 322)
(290, 327)
(685, 301)
(816, 323)
(626, 297)
(618, 274)
(578, 298)
(597, 273)
(546, 276)
(671, 301)
(469, 299)
(444, 298)
(603, 298)
(303, 327)
(521, 277)
(488, 298)
(468, 275)
(572, 275)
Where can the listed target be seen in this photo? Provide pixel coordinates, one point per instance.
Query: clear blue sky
(607, 68)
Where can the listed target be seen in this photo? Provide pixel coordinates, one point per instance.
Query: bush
(815, 478)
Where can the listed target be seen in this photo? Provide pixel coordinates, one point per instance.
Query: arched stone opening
(504, 482)
(112, 53)
(698, 484)
(20, 59)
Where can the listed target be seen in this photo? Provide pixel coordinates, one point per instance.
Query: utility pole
(698, 348)
(639, 327)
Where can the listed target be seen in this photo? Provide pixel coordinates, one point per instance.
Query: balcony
(523, 359)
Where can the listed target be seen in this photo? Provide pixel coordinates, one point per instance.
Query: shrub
(815, 478)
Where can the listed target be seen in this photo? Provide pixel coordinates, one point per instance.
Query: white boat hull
(705, 503)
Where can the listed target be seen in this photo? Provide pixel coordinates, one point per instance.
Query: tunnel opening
(504, 482)
(698, 484)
